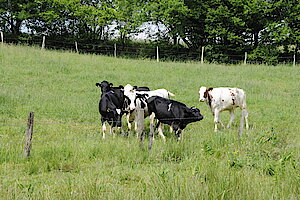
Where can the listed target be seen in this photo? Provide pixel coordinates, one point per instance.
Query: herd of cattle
(117, 101)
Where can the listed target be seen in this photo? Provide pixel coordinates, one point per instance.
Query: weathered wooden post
(2, 39)
(140, 125)
(202, 55)
(76, 47)
(115, 50)
(157, 54)
(245, 60)
(294, 61)
(43, 43)
(29, 133)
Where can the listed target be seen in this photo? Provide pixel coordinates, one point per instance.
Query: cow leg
(231, 118)
(246, 118)
(136, 128)
(217, 120)
(103, 130)
(152, 120)
(160, 132)
(113, 131)
(178, 134)
(171, 129)
(151, 134)
(128, 123)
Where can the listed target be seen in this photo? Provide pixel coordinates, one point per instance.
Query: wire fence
(42, 139)
(150, 51)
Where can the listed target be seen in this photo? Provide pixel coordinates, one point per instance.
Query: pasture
(69, 159)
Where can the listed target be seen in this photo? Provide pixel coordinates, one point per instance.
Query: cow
(111, 106)
(173, 113)
(138, 98)
(130, 113)
(224, 98)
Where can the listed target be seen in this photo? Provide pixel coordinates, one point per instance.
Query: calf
(139, 98)
(220, 99)
(173, 113)
(111, 106)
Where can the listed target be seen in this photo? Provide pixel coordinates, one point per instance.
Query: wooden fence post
(294, 61)
(43, 44)
(115, 50)
(140, 125)
(76, 47)
(245, 60)
(2, 39)
(157, 54)
(29, 133)
(202, 55)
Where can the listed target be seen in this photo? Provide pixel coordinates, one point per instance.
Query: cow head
(202, 91)
(130, 93)
(105, 86)
(196, 115)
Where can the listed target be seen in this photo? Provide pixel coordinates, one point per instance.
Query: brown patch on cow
(206, 92)
(206, 95)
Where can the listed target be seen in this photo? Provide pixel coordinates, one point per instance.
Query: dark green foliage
(267, 30)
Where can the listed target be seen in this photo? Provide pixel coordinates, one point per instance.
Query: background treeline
(268, 30)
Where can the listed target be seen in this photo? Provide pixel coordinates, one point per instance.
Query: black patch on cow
(178, 115)
(142, 98)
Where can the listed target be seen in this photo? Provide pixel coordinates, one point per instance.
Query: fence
(27, 139)
(159, 53)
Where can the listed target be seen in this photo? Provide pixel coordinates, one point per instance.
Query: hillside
(69, 159)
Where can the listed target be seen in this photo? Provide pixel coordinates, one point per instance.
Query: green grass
(69, 159)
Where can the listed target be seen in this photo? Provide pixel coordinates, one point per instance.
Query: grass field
(69, 159)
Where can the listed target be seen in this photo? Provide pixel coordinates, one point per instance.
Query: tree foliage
(225, 27)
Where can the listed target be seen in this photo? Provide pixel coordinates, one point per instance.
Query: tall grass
(69, 159)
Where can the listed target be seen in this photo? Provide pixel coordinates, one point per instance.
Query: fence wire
(175, 54)
(22, 139)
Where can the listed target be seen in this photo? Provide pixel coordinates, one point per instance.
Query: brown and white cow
(223, 98)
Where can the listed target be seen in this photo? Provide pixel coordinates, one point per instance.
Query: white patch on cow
(169, 106)
(118, 111)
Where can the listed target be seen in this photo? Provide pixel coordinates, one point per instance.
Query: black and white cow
(111, 106)
(131, 113)
(173, 113)
(138, 99)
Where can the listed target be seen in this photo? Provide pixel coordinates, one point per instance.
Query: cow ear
(111, 84)
(121, 86)
(135, 87)
(98, 84)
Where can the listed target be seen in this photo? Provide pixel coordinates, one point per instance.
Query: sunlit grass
(69, 159)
